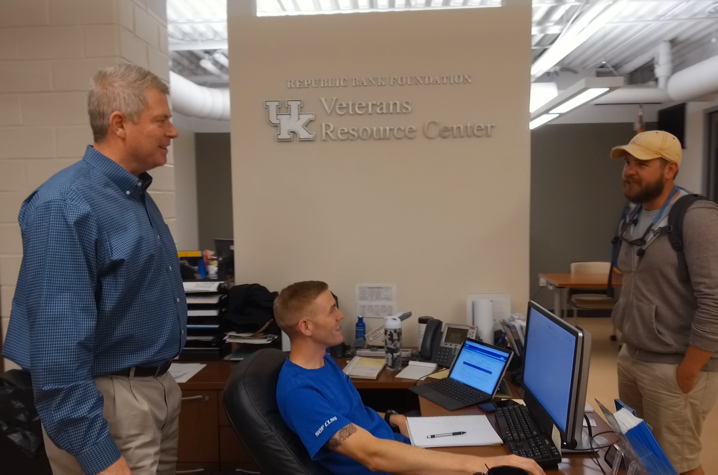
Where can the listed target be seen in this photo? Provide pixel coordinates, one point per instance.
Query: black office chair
(251, 405)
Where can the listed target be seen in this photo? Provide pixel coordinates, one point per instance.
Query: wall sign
(292, 121)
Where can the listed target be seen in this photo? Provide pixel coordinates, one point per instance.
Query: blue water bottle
(360, 328)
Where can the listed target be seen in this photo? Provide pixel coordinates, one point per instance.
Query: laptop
(474, 377)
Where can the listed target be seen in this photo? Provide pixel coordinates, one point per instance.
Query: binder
(640, 446)
(364, 368)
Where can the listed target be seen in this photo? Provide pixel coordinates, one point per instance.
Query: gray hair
(122, 89)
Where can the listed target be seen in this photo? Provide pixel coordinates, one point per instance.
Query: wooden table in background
(559, 282)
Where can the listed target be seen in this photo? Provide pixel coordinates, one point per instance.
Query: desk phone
(442, 348)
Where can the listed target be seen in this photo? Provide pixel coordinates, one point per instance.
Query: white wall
(609, 114)
(49, 50)
(186, 233)
(197, 125)
(441, 218)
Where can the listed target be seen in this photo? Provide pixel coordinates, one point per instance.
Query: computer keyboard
(524, 438)
(459, 391)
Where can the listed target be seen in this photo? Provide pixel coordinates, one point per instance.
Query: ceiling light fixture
(580, 99)
(583, 91)
(538, 122)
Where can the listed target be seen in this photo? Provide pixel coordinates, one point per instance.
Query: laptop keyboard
(459, 391)
(524, 438)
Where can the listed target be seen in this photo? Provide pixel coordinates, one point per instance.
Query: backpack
(674, 230)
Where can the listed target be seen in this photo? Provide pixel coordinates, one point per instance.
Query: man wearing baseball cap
(668, 365)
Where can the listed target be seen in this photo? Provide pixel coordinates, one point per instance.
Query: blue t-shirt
(317, 403)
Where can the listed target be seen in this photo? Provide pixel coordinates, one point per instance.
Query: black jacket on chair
(251, 404)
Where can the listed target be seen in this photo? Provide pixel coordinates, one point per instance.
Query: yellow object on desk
(440, 374)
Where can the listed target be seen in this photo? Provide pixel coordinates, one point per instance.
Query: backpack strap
(674, 231)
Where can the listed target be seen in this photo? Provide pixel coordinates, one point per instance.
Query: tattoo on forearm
(343, 434)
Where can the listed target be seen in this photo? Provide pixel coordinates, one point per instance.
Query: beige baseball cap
(650, 145)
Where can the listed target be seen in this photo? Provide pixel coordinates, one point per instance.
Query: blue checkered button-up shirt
(99, 291)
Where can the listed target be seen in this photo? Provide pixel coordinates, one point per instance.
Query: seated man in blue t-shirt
(320, 404)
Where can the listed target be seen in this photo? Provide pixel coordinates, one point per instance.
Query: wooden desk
(207, 440)
(216, 374)
(572, 464)
(558, 282)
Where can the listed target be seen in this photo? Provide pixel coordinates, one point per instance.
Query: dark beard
(647, 192)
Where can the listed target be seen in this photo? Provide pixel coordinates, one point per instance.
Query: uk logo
(290, 124)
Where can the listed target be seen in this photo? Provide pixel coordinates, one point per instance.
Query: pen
(447, 434)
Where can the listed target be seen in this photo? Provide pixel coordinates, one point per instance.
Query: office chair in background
(591, 299)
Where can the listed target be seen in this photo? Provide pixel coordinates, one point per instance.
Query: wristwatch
(387, 418)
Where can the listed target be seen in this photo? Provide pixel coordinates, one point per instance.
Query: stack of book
(206, 304)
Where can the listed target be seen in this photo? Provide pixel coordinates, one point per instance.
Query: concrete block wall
(49, 49)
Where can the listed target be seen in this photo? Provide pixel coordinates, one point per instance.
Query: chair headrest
(251, 404)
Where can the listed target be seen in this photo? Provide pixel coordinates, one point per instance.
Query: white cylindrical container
(392, 343)
(483, 310)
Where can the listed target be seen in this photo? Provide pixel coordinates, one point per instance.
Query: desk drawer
(223, 419)
(196, 468)
(198, 428)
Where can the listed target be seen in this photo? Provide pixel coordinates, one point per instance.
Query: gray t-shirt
(645, 218)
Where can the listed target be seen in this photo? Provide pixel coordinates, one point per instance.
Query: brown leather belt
(144, 371)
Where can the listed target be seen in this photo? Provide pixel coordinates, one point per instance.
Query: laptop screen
(480, 366)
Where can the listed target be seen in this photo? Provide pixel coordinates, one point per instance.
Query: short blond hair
(122, 89)
(293, 302)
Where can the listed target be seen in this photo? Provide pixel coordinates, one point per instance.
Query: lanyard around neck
(658, 216)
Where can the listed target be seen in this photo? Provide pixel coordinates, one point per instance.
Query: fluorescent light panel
(312, 7)
(582, 98)
(570, 95)
(542, 120)
(541, 94)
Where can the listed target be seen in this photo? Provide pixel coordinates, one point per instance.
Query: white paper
(190, 287)
(212, 312)
(229, 338)
(200, 338)
(417, 370)
(626, 421)
(593, 422)
(376, 300)
(182, 372)
(478, 431)
(203, 299)
(373, 310)
(379, 353)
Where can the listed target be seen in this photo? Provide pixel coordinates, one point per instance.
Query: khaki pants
(676, 418)
(143, 414)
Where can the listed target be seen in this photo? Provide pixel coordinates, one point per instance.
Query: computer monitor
(224, 250)
(555, 375)
(223, 247)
